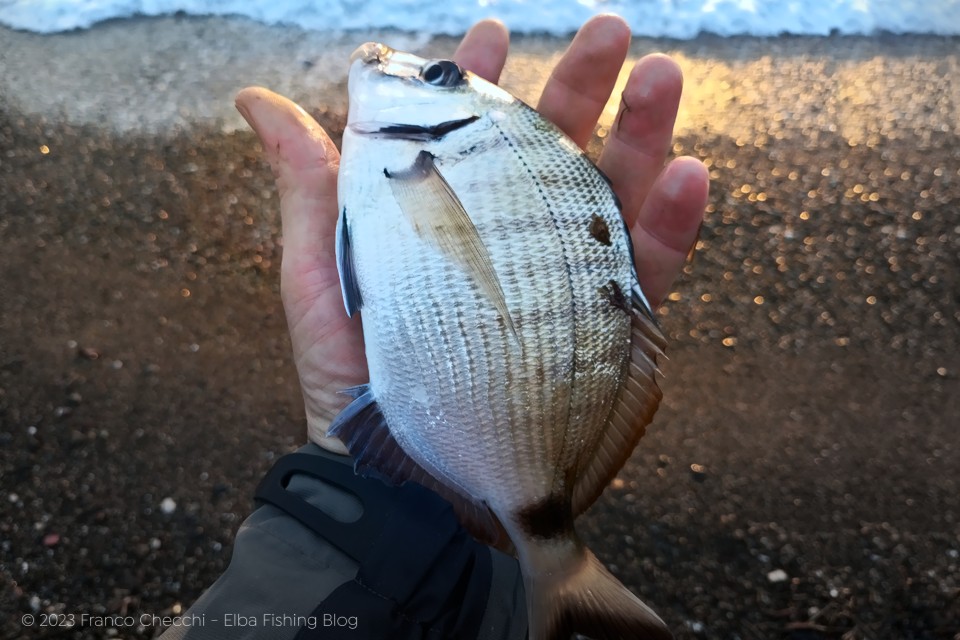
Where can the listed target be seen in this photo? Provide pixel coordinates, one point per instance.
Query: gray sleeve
(280, 571)
(506, 614)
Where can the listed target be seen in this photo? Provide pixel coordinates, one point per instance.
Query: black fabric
(421, 575)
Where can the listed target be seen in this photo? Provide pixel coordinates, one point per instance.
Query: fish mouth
(389, 98)
(379, 76)
(376, 59)
(370, 53)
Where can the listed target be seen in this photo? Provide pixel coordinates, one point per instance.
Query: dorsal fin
(437, 215)
(633, 409)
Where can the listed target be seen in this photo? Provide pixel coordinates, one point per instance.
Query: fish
(513, 356)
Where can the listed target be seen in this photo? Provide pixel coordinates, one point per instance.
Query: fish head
(393, 92)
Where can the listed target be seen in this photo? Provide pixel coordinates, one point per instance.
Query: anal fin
(362, 427)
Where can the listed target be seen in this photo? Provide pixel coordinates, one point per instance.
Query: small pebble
(698, 472)
(168, 505)
(777, 575)
(88, 353)
(695, 626)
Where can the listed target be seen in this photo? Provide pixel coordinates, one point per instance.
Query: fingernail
(248, 116)
(245, 113)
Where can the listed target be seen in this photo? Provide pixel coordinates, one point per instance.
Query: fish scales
(595, 327)
(496, 280)
(450, 418)
(569, 348)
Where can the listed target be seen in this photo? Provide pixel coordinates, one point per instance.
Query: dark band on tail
(547, 518)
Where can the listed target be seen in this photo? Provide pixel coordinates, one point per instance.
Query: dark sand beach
(801, 480)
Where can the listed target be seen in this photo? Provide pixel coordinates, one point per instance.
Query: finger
(642, 133)
(580, 85)
(667, 225)
(305, 162)
(483, 49)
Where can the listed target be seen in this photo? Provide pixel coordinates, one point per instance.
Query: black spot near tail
(599, 230)
(546, 518)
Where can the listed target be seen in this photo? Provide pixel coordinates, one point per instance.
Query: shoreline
(154, 75)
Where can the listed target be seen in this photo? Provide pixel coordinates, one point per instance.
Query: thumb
(305, 163)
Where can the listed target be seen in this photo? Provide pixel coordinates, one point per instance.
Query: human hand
(663, 205)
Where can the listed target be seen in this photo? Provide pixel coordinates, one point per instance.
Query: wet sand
(800, 480)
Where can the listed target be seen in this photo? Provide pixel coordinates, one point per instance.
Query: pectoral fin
(349, 286)
(438, 216)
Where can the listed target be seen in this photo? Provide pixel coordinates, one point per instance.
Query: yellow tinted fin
(633, 408)
(569, 591)
(438, 216)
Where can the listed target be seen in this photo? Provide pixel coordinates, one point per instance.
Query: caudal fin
(590, 601)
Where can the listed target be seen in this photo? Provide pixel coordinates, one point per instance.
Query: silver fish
(512, 353)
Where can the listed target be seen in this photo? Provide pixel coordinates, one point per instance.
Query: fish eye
(442, 73)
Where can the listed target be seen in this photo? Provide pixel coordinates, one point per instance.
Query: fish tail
(585, 599)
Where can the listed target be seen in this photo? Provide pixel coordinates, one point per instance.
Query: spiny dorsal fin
(632, 411)
(366, 434)
(438, 216)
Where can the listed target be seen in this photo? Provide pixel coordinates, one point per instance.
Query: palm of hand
(662, 206)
